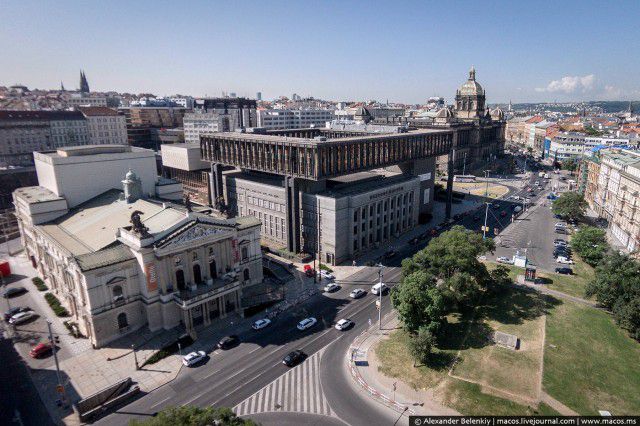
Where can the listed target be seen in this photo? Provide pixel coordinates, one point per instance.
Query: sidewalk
(362, 364)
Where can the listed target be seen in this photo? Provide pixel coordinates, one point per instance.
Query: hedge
(170, 349)
(57, 308)
(325, 268)
(40, 285)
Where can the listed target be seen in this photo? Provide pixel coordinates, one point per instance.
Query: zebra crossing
(298, 390)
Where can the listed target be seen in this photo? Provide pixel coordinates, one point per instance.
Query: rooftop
(37, 194)
(97, 111)
(40, 115)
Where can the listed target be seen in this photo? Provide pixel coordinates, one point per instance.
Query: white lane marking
(160, 402)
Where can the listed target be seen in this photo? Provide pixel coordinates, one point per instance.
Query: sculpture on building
(137, 226)
(187, 203)
(221, 206)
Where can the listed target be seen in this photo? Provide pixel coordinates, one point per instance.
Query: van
(380, 287)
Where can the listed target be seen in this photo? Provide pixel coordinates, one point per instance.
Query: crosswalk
(298, 390)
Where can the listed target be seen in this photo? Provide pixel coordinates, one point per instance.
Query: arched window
(245, 253)
(197, 275)
(180, 279)
(116, 291)
(246, 274)
(122, 321)
(213, 269)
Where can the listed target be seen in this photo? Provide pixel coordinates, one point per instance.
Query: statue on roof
(187, 202)
(137, 226)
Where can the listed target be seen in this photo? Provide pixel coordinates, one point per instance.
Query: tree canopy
(591, 244)
(570, 205)
(419, 303)
(421, 345)
(190, 415)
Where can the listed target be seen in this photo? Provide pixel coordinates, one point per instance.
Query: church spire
(472, 73)
(84, 84)
(62, 87)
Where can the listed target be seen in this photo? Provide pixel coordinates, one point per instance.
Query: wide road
(229, 377)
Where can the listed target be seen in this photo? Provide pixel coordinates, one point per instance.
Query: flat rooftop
(37, 194)
(362, 183)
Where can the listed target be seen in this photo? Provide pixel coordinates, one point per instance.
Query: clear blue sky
(343, 50)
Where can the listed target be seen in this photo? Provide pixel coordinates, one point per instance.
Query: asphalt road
(229, 377)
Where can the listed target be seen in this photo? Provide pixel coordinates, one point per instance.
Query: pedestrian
(353, 263)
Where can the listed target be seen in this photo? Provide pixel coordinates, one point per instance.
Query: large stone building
(219, 115)
(120, 255)
(106, 126)
(294, 118)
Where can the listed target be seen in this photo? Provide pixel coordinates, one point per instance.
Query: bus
(464, 178)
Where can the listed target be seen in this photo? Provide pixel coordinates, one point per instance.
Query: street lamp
(380, 274)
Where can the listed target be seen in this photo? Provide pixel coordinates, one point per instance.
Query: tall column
(216, 182)
(293, 214)
(449, 183)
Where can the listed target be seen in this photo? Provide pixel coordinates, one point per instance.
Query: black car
(13, 291)
(294, 358)
(560, 252)
(564, 271)
(15, 310)
(390, 254)
(228, 342)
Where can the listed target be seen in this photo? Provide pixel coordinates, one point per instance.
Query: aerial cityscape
(319, 213)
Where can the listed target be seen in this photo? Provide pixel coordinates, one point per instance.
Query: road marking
(160, 402)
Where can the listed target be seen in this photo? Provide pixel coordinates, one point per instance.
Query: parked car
(343, 324)
(21, 317)
(564, 260)
(517, 209)
(414, 241)
(327, 275)
(15, 310)
(504, 259)
(40, 349)
(357, 293)
(560, 225)
(495, 206)
(228, 342)
(564, 271)
(379, 288)
(310, 272)
(561, 231)
(390, 254)
(293, 358)
(193, 358)
(306, 323)
(13, 291)
(331, 287)
(261, 323)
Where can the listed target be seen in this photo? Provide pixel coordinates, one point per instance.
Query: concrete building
(294, 118)
(182, 162)
(219, 115)
(122, 260)
(612, 190)
(75, 100)
(106, 126)
(23, 132)
(571, 145)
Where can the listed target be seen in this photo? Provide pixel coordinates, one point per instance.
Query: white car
(357, 293)
(21, 317)
(261, 323)
(504, 259)
(328, 275)
(193, 358)
(331, 287)
(380, 287)
(560, 225)
(307, 323)
(564, 260)
(343, 324)
(517, 209)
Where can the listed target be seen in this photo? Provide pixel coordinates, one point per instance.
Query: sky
(401, 51)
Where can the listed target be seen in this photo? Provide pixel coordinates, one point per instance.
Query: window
(246, 275)
(245, 253)
(197, 275)
(116, 291)
(122, 321)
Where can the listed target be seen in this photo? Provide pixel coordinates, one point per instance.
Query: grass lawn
(590, 363)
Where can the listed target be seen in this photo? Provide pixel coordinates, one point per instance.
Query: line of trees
(444, 277)
(191, 415)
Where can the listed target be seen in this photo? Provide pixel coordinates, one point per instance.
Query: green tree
(421, 345)
(190, 415)
(570, 205)
(591, 244)
(570, 165)
(500, 279)
(452, 258)
(418, 302)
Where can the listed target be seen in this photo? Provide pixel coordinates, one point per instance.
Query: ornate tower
(132, 187)
(84, 84)
(470, 99)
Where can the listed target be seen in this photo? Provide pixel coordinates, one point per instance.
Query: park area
(480, 189)
(574, 353)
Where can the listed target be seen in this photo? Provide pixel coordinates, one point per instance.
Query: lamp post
(135, 356)
(380, 274)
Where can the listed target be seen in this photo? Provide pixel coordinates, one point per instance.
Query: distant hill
(603, 106)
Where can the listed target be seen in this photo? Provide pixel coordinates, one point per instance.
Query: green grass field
(590, 363)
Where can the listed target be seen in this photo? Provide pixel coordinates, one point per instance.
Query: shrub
(169, 349)
(40, 285)
(325, 268)
(57, 308)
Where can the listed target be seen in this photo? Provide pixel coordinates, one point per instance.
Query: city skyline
(404, 54)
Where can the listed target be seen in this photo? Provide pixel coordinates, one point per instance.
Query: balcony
(197, 294)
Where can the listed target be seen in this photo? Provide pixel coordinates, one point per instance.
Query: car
(564, 260)
(13, 291)
(561, 231)
(15, 310)
(310, 272)
(390, 254)
(306, 323)
(379, 288)
(40, 349)
(559, 241)
(558, 253)
(294, 358)
(261, 323)
(228, 342)
(193, 358)
(504, 259)
(414, 241)
(327, 275)
(496, 206)
(517, 209)
(357, 293)
(564, 271)
(343, 324)
(331, 287)
(21, 317)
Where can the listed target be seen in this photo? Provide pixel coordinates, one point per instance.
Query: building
(293, 118)
(84, 84)
(612, 190)
(219, 115)
(106, 126)
(23, 132)
(572, 145)
(181, 162)
(167, 117)
(122, 259)
(258, 96)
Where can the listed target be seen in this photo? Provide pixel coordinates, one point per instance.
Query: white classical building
(120, 257)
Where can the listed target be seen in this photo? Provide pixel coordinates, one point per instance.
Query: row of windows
(382, 206)
(264, 203)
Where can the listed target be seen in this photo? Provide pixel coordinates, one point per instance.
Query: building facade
(124, 260)
(106, 126)
(219, 115)
(294, 118)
